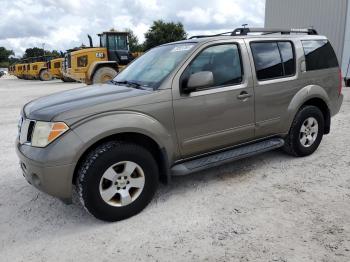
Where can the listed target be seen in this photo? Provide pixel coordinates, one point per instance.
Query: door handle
(243, 95)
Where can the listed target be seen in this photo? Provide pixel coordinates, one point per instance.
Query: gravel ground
(271, 207)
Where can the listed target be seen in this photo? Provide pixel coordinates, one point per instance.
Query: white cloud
(63, 24)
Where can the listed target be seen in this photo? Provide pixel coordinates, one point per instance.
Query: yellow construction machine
(99, 64)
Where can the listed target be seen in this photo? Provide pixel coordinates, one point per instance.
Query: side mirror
(201, 79)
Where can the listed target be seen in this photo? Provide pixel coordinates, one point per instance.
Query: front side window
(103, 39)
(223, 61)
(319, 54)
(273, 59)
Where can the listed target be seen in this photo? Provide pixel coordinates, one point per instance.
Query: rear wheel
(117, 180)
(306, 132)
(45, 75)
(103, 75)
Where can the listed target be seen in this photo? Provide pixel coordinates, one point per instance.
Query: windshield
(153, 67)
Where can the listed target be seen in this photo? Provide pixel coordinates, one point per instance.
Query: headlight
(46, 132)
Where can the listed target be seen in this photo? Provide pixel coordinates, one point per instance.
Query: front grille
(26, 131)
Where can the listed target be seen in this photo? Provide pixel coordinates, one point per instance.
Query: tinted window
(267, 60)
(222, 60)
(319, 54)
(287, 55)
(103, 40)
(117, 42)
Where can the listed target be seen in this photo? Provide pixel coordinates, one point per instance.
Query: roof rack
(265, 31)
(247, 30)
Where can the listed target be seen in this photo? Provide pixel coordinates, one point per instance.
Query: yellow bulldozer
(99, 64)
(33, 68)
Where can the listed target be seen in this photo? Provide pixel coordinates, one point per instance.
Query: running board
(226, 156)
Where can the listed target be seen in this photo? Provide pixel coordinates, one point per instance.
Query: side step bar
(226, 156)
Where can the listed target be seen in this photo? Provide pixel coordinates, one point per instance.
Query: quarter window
(273, 59)
(223, 61)
(319, 54)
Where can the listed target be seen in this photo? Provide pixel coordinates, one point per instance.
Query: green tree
(37, 52)
(5, 56)
(161, 33)
(33, 52)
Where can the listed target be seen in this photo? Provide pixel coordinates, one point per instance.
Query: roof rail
(265, 31)
(202, 36)
(247, 30)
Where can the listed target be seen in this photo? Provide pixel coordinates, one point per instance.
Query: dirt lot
(272, 207)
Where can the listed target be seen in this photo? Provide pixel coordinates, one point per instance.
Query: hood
(83, 99)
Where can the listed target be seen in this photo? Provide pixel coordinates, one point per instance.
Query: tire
(91, 181)
(301, 142)
(45, 75)
(103, 75)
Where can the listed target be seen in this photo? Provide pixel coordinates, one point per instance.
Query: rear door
(276, 81)
(223, 114)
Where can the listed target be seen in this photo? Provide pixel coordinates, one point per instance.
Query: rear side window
(287, 54)
(319, 54)
(273, 59)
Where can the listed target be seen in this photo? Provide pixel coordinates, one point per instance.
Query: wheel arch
(146, 141)
(311, 95)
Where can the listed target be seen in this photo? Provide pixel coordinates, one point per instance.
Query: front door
(221, 115)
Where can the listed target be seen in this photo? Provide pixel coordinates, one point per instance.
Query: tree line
(159, 33)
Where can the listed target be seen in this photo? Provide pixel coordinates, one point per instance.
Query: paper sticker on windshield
(181, 48)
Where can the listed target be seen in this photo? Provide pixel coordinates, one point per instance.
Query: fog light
(36, 180)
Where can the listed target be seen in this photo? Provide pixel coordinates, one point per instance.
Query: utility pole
(43, 48)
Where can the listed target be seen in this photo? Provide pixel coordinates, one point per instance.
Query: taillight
(340, 82)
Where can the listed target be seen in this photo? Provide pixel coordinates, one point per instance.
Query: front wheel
(45, 75)
(103, 75)
(117, 180)
(306, 132)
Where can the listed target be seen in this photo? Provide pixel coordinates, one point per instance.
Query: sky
(63, 24)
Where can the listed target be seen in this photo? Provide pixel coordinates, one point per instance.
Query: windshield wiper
(128, 83)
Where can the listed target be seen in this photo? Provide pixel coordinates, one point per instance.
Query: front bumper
(51, 169)
(53, 180)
